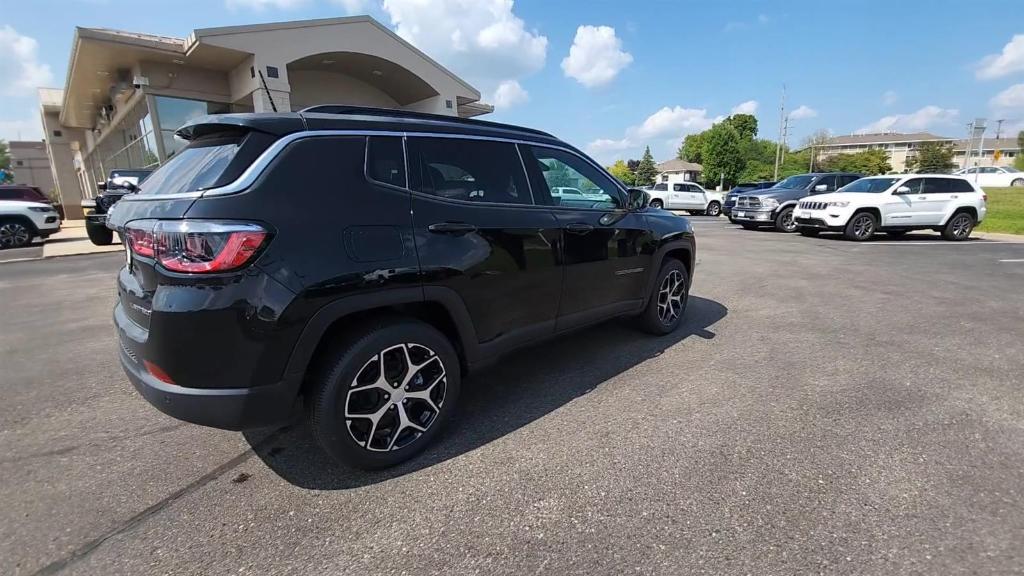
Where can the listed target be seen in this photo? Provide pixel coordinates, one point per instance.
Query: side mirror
(637, 199)
(903, 190)
(820, 188)
(102, 186)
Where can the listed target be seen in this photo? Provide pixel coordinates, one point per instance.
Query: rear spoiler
(275, 124)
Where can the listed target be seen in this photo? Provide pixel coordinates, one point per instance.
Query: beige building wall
(59, 141)
(31, 165)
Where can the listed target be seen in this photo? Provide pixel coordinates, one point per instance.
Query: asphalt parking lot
(828, 407)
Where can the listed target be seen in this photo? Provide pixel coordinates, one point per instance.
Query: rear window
(197, 167)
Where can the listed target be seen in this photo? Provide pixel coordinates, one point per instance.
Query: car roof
(338, 117)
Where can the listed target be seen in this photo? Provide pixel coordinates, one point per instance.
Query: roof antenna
(269, 97)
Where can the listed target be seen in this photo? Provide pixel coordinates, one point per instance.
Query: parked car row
(860, 207)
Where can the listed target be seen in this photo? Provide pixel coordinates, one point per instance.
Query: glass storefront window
(175, 112)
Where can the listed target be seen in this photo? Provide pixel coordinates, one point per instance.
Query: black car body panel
(345, 240)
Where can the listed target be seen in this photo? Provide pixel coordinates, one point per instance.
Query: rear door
(602, 247)
(480, 233)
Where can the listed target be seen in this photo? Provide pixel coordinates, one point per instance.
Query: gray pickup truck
(774, 206)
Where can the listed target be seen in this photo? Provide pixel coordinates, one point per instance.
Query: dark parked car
(359, 261)
(119, 183)
(774, 206)
(732, 195)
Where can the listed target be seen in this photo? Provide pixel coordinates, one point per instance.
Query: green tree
(1018, 162)
(722, 154)
(5, 163)
(814, 142)
(691, 148)
(867, 162)
(621, 171)
(647, 170)
(794, 162)
(757, 171)
(744, 124)
(931, 158)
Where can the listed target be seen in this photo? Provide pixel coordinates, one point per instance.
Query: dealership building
(126, 93)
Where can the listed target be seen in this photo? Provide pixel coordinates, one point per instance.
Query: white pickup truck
(683, 195)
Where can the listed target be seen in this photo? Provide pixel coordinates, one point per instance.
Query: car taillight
(196, 246)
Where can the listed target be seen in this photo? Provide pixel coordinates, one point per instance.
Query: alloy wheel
(670, 297)
(13, 235)
(863, 226)
(961, 226)
(788, 222)
(714, 209)
(1018, 183)
(395, 397)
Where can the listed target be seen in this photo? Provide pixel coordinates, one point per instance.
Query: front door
(680, 196)
(480, 233)
(602, 243)
(916, 206)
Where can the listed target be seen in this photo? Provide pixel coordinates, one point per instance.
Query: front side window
(560, 168)
(661, 187)
(467, 170)
(829, 182)
(915, 185)
(869, 185)
(385, 160)
(680, 188)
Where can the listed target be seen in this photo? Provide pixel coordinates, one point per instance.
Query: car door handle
(454, 228)
(579, 228)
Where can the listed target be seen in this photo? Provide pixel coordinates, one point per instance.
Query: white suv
(895, 205)
(22, 221)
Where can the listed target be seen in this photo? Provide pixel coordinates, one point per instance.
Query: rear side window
(959, 185)
(197, 167)
(385, 160)
(467, 170)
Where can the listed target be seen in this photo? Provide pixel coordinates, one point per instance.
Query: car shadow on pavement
(521, 388)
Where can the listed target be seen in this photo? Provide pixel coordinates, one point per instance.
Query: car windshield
(871, 185)
(796, 182)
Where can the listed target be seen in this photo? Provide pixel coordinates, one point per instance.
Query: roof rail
(384, 112)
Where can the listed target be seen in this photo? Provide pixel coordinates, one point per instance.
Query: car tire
(714, 209)
(99, 235)
(656, 203)
(959, 227)
(748, 226)
(368, 372)
(667, 302)
(1018, 183)
(784, 222)
(809, 232)
(15, 233)
(861, 227)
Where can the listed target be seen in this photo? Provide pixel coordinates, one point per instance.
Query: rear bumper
(226, 408)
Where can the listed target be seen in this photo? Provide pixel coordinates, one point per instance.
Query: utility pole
(778, 143)
(999, 128)
(785, 137)
(970, 146)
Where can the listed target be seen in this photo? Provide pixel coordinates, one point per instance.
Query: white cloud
(1010, 60)
(509, 93)
(922, 119)
(667, 126)
(28, 128)
(596, 56)
(889, 98)
(481, 40)
(748, 107)
(1011, 98)
(19, 64)
(260, 5)
(803, 112)
(736, 25)
(675, 121)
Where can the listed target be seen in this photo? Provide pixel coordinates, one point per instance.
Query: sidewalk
(72, 240)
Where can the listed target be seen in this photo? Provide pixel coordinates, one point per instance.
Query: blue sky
(612, 77)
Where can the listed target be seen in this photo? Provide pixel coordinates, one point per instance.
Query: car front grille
(748, 202)
(813, 205)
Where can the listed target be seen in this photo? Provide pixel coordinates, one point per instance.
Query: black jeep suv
(363, 260)
(119, 183)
